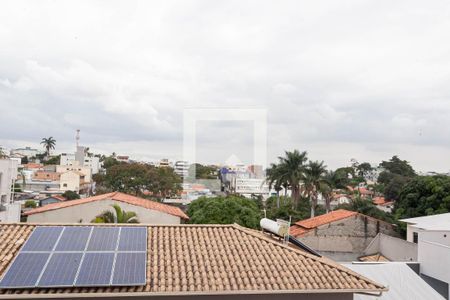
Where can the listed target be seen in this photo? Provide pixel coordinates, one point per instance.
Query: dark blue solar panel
(61, 270)
(95, 269)
(25, 270)
(130, 269)
(43, 238)
(133, 239)
(103, 239)
(74, 239)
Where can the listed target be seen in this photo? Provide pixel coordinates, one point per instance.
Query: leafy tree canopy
(70, 195)
(202, 172)
(397, 166)
(225, 210)
(424, 195)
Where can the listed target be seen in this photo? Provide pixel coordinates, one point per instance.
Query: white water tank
(278, 228)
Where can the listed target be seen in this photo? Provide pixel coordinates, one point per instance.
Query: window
(415, 237)
(65, 185)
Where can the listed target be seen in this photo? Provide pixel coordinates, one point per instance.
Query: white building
(249, 186)
(9, 211)
(80, 158)
(27, 151)
(432, 234)
(181, 168)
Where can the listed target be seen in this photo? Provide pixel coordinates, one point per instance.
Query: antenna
(77, 137)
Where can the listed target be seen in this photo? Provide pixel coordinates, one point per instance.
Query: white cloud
(342, 79)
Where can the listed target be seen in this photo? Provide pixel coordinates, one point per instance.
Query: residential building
(75, 166)
(181, 168)
(9, 211)
(81, 158)
(86, 209)
(432, 234)
(52, 199)
(74, 181)
(27, 151)
(403, 282)
(209, 262)
(383, 204)
(164, 163)
(46, 175)
(341, 234)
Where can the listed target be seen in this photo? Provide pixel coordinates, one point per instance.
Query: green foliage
(24, 160)
(48, 144)
(116, 216)
(396, 175)
(54, 160)
(30, 204)
(202, 172)
(136, 178)
(286, 210)
(70, 195)
(366, 207)
(109, 162)
(225, 210)
(424, 195)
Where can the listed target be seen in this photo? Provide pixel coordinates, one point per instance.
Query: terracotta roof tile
(212, 259)
(133, 200)
(326, 218)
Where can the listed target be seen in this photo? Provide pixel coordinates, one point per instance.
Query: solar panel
(25, 270)
(129, 269)
(43, 238)
(133, 239)
(103, 239)
(61, 270)
(96, 269)
(58, 256)
(74, 239)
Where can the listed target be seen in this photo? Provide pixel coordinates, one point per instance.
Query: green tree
(202, 172)
(225, 210)
(315, 182)
(117, 216)
(397, 173)
(70, 195)
(128, 178)
(54, 160)
(291, 171)
(364, 169)
(30, 204)
(109, 161)
(2, 153)
(49, 144)
(367, 208)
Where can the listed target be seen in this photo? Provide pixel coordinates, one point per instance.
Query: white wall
(434, 254)
(84, 213)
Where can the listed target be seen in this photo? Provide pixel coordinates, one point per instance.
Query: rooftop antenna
(77, 137)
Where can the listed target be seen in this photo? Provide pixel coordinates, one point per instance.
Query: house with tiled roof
(86, 209)
(341, 234)
(187, 262)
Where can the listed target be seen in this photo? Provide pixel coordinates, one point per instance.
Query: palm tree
(315, 182)
(276, 180)
(49, 144)
(116, 216)
(289, 172)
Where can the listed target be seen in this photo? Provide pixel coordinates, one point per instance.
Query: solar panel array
(58, 256)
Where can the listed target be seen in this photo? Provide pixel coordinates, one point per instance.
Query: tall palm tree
(49, 144)
(116, 216)
(315, 182)
(276, 180)
(289, 172)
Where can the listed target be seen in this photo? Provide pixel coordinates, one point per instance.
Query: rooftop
(304, 226)
(133, 200)
(208, 259)
(433, 222)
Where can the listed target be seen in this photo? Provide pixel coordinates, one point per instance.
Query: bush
(70, 195)
(30, 204)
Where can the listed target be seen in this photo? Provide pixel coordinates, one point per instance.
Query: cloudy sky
(340, 79)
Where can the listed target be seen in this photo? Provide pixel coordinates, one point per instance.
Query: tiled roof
(325, 219)
(378, 200)
(133, 200)
(208, 259)
(373, 258)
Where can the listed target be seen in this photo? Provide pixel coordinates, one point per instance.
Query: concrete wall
(351, 235)
(393, 248)
(305, 296)
(85, 213)
(434, 255)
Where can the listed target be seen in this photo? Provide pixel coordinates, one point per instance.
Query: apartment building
(9, 211)
(81, 158)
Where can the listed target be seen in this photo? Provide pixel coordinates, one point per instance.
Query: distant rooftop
(433, 222)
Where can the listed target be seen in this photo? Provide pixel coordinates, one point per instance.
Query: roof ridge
(322, 259)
